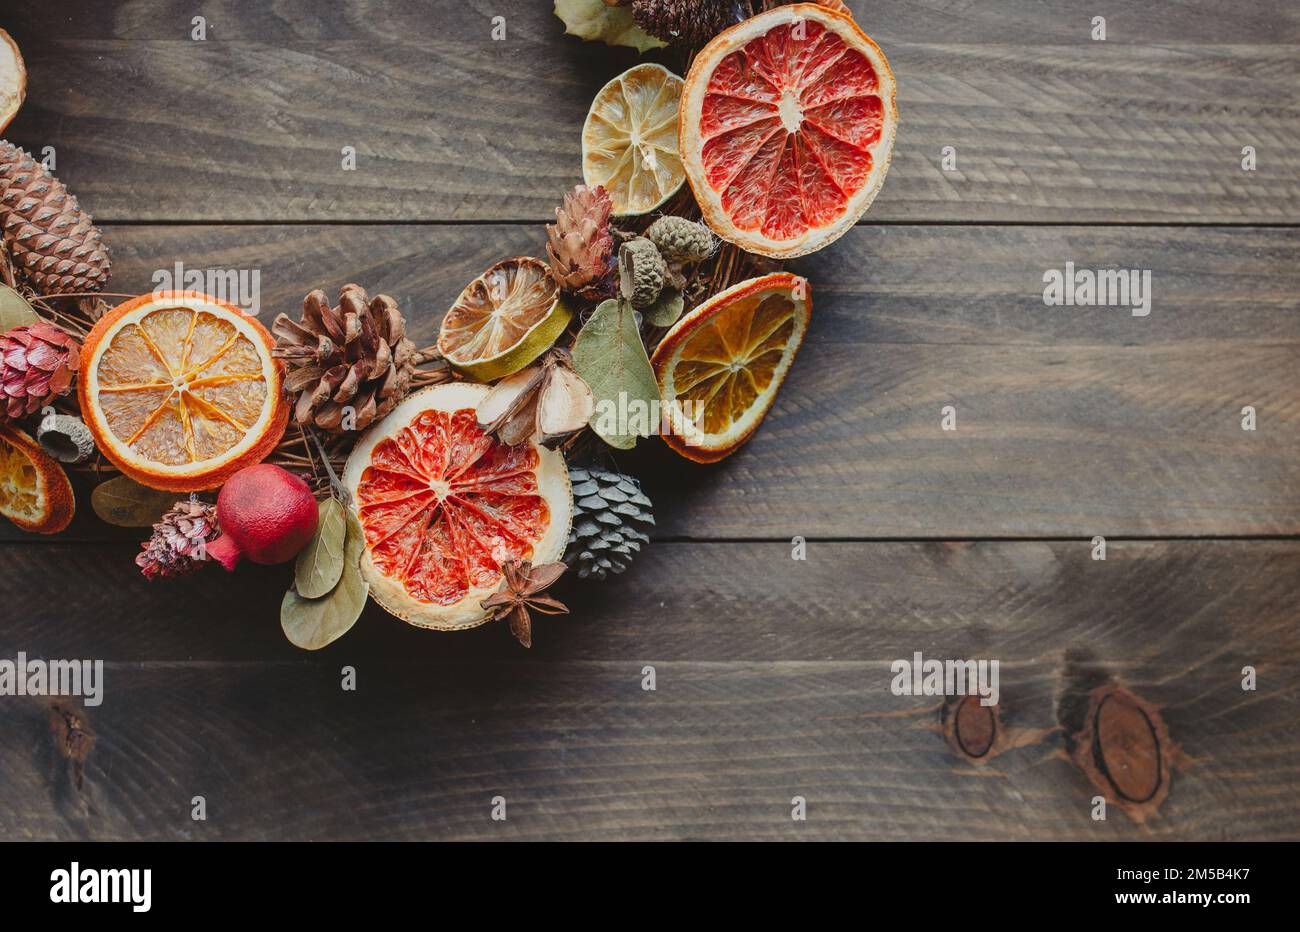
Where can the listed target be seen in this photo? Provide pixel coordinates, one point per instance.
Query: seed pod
(641, 272)
(65, 438)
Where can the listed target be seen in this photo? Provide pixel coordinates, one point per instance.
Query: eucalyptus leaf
(14, 310)
(596, 20)
(611, 358)
(320, 564)
(665, 311)
(126, 503)
(315, 623)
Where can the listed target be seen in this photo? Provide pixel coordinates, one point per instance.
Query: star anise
(522, 590)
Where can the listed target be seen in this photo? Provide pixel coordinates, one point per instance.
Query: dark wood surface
(1048, 125)
(772, 674)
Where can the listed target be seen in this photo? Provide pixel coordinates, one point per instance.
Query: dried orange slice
(629, 141)
(504, 319)
(180, 390)
(35, 493)
(787, 127)
(720, 366)
(443, 504)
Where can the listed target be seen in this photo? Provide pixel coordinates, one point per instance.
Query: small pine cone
(580, 243)
(179, 541)
(612, 518)
(641, 272)
(353, 356)
(53, 242)
(681, 241)
(687, 22)
(37, 363)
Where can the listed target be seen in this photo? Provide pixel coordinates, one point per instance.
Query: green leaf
(14, 310)
(611, 358)
(665, 311)
(314, 623)
(126, 503)
(613, 25)
(320, 564)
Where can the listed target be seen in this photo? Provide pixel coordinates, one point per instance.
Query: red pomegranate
(265, 514)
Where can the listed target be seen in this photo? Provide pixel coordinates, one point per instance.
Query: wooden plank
(448, 124)
(1070, 421)
(848, 601)
(763, 693)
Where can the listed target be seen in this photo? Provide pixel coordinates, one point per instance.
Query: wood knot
(971, 729)
(1125, 749)
(73, 737)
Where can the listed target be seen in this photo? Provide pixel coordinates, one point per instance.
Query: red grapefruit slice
(443, 504)
(786, 130)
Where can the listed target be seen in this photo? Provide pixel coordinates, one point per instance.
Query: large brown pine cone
(353, 356)
(687, 22)
(52, 241)
(37, 363)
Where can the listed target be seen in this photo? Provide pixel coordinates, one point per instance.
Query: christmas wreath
(455, 483)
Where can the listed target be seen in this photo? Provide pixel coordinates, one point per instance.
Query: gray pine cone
(611, 521)
(681, 241)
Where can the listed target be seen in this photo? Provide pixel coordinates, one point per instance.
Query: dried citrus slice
(443, 504)
(180, 390)
(629, 142)
(13, 79)
(787, 127)
(504, 319)
(720, 366)
(35, 493)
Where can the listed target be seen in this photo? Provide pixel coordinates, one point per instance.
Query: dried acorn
(66, 438)
(641, 272)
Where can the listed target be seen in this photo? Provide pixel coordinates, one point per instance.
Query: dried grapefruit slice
(444, 504)
(724, 362)
(787, 127)
(180, 390)
(629, 141)
(35, 493)
(504, 319)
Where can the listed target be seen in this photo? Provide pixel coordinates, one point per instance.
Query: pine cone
(179, 540)
(354, 355)
(611, 520)
(681, 241)
(687, 22)
(37, 363)
(581, 245)
(53, 242)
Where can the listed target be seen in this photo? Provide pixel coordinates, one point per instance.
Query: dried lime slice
(504, 319)
(629, 142)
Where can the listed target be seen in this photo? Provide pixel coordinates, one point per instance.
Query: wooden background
(773, 675)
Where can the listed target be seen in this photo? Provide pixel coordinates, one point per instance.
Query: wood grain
(449, 125)
(772, 674)
(763, 692)
(1070, 421)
